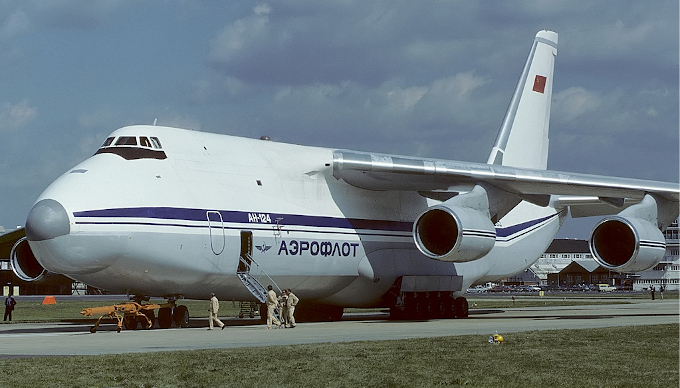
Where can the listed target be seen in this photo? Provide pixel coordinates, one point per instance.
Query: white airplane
(175, 213)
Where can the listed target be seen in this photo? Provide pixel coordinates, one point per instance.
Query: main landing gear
(429, 305)
(133, 314)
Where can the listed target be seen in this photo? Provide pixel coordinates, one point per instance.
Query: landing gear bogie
(429, 305)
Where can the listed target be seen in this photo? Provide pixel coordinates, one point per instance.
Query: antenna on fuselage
(155, 120)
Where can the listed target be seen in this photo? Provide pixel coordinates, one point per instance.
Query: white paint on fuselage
(327, 240)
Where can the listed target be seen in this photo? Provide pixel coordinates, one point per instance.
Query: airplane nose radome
(46, 220)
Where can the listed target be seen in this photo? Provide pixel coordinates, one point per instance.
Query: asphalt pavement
(68, 338)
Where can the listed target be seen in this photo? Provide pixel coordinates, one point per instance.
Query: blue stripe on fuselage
(230, 216)
(241, 217)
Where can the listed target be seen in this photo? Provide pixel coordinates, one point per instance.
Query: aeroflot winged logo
(263, 248)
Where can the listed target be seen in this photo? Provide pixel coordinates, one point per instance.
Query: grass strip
(637, 356)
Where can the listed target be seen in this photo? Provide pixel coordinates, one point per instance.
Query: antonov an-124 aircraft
(175, 213)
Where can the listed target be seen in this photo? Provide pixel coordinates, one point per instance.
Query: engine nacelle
(454, 234)
(24, 263)
(627, 244)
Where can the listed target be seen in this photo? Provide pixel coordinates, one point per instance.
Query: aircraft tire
(335, 313)
(130, 322)
(410, 307)
(152, 318)
(396, 314)
(165, 317)
(449, 306)
(439, 307)
(461, 307)
(420, 308)
(181, 316)
(318, 313)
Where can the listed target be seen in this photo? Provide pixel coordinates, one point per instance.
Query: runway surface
(67, 339)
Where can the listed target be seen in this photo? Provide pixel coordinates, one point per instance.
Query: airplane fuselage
(175, 220)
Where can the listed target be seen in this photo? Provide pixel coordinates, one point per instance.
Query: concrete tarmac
(68, 339)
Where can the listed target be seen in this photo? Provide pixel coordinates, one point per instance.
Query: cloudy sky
(423, 78)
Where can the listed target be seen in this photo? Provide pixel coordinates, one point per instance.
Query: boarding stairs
(250, 273)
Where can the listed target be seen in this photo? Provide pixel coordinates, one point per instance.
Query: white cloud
(458, 86)
(572, 103)
(405, 99)
(13, 116)
(241, 34)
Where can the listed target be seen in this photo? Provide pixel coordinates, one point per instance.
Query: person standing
(272, 301)
(9, 306)
(283, 308)
(653, 291)
(661, 291)
(291, 303)
(214, 308)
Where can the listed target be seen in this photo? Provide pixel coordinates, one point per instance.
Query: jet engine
(627, 244)
(454, 234)
(24, 263)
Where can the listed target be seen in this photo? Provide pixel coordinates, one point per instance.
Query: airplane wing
(8, 240)
(435, 178)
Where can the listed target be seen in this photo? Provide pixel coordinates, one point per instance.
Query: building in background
(558, 256)
(667, 272)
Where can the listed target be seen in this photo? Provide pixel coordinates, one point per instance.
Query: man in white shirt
(214, 307)
(272, 302)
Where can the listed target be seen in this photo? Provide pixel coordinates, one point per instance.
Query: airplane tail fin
(523, 137)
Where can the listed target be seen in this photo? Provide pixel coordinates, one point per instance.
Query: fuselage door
(216, 228)
(246, 251)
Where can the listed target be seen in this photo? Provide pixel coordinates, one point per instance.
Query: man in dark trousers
(9, 306)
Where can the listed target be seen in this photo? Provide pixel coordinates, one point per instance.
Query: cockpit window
(126, 140)
(126, 147)
(152, 142)
(156, 143)
(108, 142)
(144, 141)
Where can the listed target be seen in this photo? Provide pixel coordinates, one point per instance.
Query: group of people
(286, 304)
(661, 290)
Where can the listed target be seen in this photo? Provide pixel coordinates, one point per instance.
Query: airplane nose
(48, 231)
(47, 220)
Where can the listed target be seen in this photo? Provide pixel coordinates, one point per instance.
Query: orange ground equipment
(131, 314)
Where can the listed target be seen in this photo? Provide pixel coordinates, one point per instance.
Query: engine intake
(24, 263)
(627, 244)
(454, 234)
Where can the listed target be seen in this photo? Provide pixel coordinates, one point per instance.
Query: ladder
(250, 277)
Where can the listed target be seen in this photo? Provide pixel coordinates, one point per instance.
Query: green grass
(641, 356)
